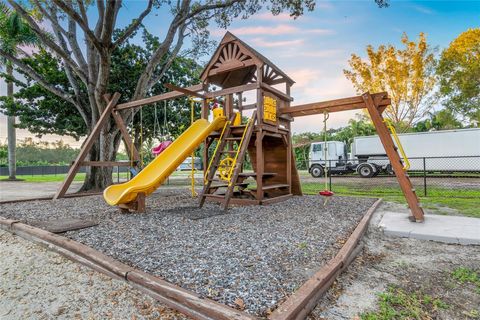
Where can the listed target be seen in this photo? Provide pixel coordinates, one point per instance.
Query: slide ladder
(228, 162)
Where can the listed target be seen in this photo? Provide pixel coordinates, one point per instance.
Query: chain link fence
(457, 177)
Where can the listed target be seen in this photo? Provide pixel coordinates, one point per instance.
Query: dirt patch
(407, 266)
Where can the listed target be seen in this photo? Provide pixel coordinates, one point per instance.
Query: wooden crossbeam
(237, 89)
(351, 103)
(184, 90)
(160, 97)
(277, 92)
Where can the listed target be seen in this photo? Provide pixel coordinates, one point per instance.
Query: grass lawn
(81, 176)
(437, 200)
(431, 300)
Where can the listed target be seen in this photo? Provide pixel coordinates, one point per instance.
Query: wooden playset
(265, 139)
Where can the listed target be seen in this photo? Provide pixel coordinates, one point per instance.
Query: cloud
(281, 29)
(261, 42)
(303, 77)
(264, 30)
(319, 31)
(325, 5)
(270, 17)
(326, 53)
(423, 9)
(316, 86)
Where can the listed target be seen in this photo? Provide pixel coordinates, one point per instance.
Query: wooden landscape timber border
(304, 300)
(297, 306)
(171, 295)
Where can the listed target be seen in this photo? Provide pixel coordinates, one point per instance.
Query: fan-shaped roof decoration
(234, 63)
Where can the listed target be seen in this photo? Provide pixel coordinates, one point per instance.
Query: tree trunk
(98, 178)
(12, 137)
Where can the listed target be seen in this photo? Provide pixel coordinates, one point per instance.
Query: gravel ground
(251, 258)
(413, 265)
(39, 284)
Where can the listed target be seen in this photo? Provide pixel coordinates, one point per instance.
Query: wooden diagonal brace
(86, 147)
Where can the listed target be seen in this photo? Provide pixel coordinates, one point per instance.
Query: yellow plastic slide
(153, 175)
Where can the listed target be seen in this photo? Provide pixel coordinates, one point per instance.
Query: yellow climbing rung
(205, 180)
(230, 173)
(390, 126)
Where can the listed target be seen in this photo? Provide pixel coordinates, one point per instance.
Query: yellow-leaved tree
(406, 74)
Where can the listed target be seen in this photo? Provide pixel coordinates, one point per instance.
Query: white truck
(441, 149)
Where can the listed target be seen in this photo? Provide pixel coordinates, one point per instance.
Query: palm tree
(14, 33)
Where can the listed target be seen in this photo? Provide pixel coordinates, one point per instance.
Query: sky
(314, 49)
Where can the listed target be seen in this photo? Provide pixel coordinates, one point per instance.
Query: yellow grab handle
(398, 143)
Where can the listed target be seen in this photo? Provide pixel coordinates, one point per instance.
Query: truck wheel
(366, 170)
(316, 171)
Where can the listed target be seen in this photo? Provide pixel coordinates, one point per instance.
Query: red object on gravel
(326, 193)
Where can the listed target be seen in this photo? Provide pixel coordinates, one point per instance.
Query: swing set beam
(381, 101)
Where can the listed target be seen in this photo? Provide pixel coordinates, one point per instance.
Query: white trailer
(442, 148)
(444, 151)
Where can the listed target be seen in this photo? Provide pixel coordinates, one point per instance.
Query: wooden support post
(259, 97)
(394, 157)
(131, 149)
(136, 206)
(289, 160)
(260, 162)
(228, 108)
(240, 103)
(86, 147)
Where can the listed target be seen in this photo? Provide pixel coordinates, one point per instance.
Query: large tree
(41, 112)
(407, 74)
(14, 33)
(444, 119)
(85, 47)
(459, 73)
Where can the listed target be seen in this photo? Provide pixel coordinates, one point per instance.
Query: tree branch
(207, 7)
(109, 19)
(173, 55)
(35, 76)
(134, 25)
(49, 17)
(70, 11)
(47, 41)
(83, 11)
(101, 14)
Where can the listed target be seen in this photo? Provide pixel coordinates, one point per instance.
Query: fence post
(424, 177)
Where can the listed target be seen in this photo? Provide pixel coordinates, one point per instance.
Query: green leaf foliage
(41, 112)
(459, 74)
